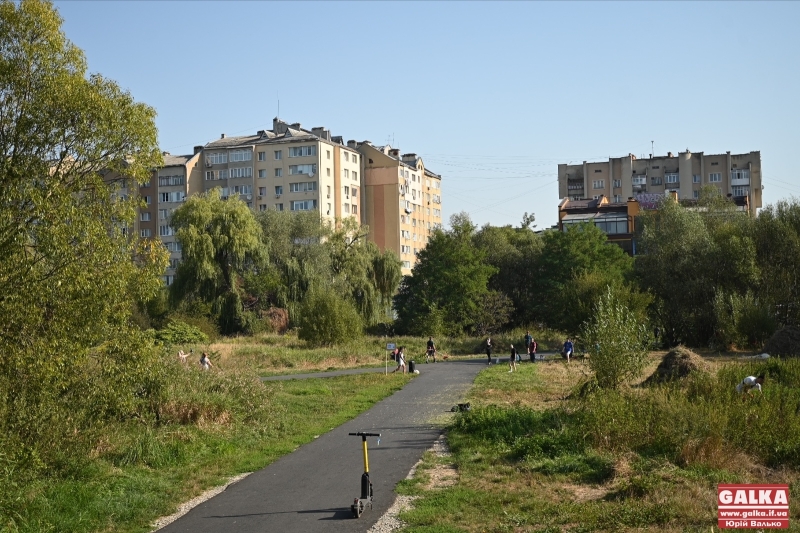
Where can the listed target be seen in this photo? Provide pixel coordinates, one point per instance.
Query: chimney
(394, 152)
(222, 136)
(278, 126)
(409, 158)
(296, 125)
(669, 154)
(165, 153)
(352, 144)
(198, 149)
(322, 133)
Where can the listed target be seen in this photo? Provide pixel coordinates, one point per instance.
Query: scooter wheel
(357, 509)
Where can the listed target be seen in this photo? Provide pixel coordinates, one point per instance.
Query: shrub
(177, 332)
(619, 342)
(327, 319)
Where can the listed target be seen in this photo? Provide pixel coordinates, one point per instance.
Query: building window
(741, 191)
(176, 196)
(617, 183)
(167, 181)
(406, 264)
(303, 186)
(695, 178)
(262, 156)
(166, 231)
(304, 205)
(354, 192)
(671, 177)
(217, 158)
(347, 208)
(741, 174)
(355, 176)
(145, 217)
(715, 177)
(163, 214)
(617, 198)
(655, 180)
(303, 169)
(242, 189)
(641, 179)
(262, 207)
(302, 151)
(715, 163)
(695, 194)
(262, 173)
(147, 200)
(346, 156)
(209, 175)
(279, 189)
(241, 155)
(346, 191)
(278, 154)
(145, 233)
(278, 207)
(222, 174)
(242, 172)
(262, 191)
(278, 172)
(329, 172)
(329, 154)
(355, 209)
(598, 184)
(598, 170)
(355, 158)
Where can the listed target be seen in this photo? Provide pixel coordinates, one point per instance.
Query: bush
(619, 342)
(327, 319)
(177, 332)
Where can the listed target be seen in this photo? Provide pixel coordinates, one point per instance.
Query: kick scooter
(359, 504)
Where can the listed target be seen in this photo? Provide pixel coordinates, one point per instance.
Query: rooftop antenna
(278, 96)
(652, 149)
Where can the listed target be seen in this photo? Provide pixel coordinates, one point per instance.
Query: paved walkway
(311, 489)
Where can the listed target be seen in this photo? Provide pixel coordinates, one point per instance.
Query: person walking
(205, 362)
(568, 349)
(749, 383)
(532, 350)
(401, 360)
(430, 350)
(528, 339)
(512, 361)
(489, 349)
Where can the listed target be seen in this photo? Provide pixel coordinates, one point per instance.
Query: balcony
(740, 182)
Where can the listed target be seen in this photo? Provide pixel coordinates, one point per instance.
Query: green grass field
(531, 456)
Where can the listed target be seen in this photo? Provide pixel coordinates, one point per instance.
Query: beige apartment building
(288, 169)
(403, 201)
(621, 178)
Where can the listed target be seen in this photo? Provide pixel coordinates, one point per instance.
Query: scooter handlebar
(362, 434)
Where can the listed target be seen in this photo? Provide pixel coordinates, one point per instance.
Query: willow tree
(221, 241)
(69, 274)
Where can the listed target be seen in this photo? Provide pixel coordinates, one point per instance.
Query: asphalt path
(311, 489)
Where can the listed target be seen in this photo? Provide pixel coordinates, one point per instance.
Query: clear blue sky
(492, 95)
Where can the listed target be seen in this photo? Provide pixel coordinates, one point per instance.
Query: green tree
(566, 258)
(221, 240)
(618, 342)
(450, 275)
(326, 318)
(69, 276)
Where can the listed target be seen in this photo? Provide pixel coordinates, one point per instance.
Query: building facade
(620, 178)
(403, 201)
(287, 169)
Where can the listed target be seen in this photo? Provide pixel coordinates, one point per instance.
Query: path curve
(310, 490)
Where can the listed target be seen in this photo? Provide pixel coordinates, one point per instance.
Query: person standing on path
(532, 350)
(512, 361)
(489, 349)
(528, 340)
(430, 350)
(401, 360)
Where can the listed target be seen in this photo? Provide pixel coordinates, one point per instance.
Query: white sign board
(390, 346)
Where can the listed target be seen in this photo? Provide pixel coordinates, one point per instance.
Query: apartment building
(170, 185)
(286, 168)
(620, 178)
(402, 198)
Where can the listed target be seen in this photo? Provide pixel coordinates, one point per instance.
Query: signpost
(389, 346)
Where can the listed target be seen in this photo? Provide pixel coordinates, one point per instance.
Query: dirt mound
(679, 363)
(785, 341)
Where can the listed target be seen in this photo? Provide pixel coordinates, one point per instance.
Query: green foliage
(177, 332)
(494, 311)
(450, 275)
(618, 341)
(69, 276)
(572, 266)
(741, 320)
(220, 240)
(327, 319)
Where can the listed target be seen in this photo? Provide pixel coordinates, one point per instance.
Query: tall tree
(221, 240)
(447, 282)
(68, 274)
